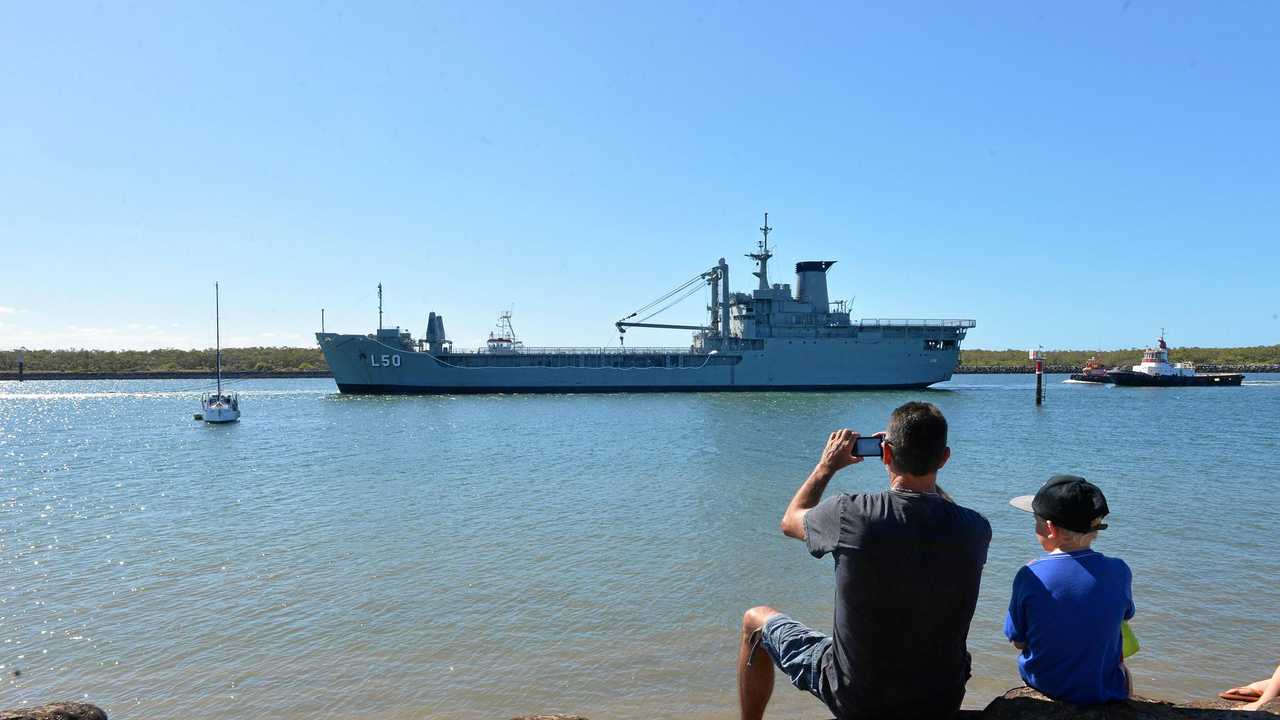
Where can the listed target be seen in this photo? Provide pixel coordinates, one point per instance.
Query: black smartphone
(867, 447)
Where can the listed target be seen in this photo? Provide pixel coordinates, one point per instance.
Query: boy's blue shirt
(1067, 608)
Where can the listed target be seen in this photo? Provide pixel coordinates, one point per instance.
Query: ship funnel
(435, 336)
(431, 328)
(811, 283)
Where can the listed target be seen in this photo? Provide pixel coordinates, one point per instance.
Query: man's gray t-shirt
(908, 566)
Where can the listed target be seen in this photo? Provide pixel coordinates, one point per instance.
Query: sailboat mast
(217, 335)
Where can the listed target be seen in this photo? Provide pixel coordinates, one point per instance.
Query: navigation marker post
(22, 357)
(1038, 357)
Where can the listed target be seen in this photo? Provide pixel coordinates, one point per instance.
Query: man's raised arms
(837, 455)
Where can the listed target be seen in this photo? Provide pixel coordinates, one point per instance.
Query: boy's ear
(886, 453)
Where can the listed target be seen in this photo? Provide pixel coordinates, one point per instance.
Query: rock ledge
(1024, 704)
(56, 711)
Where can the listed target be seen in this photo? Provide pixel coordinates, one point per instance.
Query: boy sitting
(1067, 605)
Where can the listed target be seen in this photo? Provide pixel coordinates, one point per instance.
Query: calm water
(481, 557)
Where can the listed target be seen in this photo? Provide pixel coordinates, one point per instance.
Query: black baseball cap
(1069, 501)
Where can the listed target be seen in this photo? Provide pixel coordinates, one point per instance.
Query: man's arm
(837, 455)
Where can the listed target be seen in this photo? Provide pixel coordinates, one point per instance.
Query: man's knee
(756, 617)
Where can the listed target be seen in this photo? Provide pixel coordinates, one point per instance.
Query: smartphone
(867, 447)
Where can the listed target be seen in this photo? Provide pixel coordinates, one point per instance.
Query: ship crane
(672, 298)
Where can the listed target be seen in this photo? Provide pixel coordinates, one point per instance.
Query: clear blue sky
(1074, 175)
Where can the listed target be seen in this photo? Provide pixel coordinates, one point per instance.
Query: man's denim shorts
(797, 651)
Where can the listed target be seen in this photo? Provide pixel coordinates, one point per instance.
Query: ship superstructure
(773, 338)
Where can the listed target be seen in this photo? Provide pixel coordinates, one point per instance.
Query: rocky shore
(56, 711)
(1018, 704)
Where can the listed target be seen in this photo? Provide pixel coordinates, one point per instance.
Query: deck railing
(579, 351)
(882, 322)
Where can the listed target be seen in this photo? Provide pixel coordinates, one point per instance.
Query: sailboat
(219, 407)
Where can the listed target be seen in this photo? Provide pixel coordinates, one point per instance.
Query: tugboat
(1155, 370)
(1092, 372)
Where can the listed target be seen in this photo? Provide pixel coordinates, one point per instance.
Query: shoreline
(295, 374)
(164, 375)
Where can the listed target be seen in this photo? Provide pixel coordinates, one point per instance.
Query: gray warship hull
(363, 364)
(769, 339)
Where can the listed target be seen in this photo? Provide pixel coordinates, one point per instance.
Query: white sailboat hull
(221, 415)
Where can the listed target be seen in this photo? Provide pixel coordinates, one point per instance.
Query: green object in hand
(1128, 641)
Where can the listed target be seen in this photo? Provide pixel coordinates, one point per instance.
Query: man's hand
(838, 453)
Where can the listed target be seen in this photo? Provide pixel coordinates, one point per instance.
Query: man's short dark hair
(918, 434)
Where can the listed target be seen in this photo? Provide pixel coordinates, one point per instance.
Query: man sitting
(908, 562)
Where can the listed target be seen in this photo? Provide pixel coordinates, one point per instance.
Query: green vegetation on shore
(253, 359)
(292, 359)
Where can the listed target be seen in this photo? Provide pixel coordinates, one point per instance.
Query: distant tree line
(252, 359)
(292, 359)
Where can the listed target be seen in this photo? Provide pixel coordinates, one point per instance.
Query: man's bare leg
(755, 667)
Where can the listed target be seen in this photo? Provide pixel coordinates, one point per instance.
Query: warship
(773, 338)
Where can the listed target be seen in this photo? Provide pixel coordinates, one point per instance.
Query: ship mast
(217, 336)
(762, 257)
(504, 326)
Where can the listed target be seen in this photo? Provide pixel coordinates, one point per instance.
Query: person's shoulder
(1026, 577)
(865, 502)
(843, 499)
(976, 520)
(838, 504)
(1118, 567)
(972, 515)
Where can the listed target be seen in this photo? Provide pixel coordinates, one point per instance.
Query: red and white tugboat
(1155, 370)
(1092, 372)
